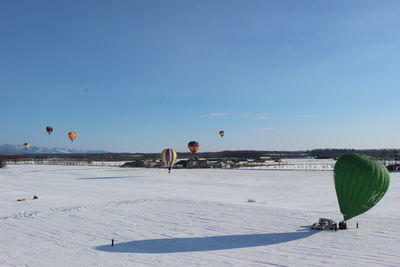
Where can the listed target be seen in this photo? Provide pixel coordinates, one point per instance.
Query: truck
(323, 224)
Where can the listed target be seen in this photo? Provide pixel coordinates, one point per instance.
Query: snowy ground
(186, 218)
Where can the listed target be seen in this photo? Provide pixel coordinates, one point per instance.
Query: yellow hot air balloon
(72, 136)
(26, 146)
(169, 157)
(193, 146)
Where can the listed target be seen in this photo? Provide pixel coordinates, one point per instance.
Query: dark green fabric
(360, 182)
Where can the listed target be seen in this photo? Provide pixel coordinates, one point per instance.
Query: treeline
(238, 154)
(251, 154)
(247, 154)
(315, 153)
(336, 153)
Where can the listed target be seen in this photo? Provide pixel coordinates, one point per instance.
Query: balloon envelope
(360, 182)
(169, 157)
(222, 133)
(193, 146)
(49, 129)
(26, 146)
(72, 135)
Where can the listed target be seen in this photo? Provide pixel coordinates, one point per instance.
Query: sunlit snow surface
(186, 218)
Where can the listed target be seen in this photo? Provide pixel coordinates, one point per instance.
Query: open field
(198, 217)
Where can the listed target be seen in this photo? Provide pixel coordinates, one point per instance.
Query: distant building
(393, 167)
(203, 163)
(134, 164)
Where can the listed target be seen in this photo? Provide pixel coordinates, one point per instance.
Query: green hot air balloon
(360, 182)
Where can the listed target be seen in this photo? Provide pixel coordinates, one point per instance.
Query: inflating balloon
(49, 129)
(193, 146)
(72, 136)
(169, 157)
(360, 182)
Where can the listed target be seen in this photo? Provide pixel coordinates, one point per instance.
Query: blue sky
(140, 76)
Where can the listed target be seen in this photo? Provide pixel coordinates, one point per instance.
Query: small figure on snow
(35, 197)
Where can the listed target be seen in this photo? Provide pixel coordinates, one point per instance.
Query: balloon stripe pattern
(360, 182)
(169, 157)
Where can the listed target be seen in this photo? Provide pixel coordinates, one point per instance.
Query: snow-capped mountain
(19, 149)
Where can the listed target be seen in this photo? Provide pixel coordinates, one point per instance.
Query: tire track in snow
(32, 214)
(62, 210)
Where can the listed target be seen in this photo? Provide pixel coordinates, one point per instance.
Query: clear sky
(143, 75)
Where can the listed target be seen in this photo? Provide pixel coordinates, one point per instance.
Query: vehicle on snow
(323, 224)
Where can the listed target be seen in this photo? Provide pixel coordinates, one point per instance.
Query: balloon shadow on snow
(111, 177)
(193, 244)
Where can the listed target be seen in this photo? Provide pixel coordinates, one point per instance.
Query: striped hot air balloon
(169, 157)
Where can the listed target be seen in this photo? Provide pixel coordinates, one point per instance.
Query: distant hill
(18, 149)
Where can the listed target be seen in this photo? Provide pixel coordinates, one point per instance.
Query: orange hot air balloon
(222, 133)
(72, 135)
(49, 129)
(193, 146)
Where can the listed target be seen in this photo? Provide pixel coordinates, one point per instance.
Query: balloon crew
(169, 157)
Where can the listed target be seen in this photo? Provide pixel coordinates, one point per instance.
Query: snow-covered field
(186, 218)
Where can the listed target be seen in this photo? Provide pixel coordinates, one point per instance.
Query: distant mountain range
(19, 149)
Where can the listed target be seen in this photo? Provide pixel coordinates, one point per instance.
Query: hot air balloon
(72, 136)
(222, 133)
(49, 129)
(169, 157)
(193, 146)
(26, 146)
(360, 182)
